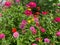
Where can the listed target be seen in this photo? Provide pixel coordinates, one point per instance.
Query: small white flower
(2, 2)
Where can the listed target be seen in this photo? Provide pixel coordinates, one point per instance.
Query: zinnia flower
(17, 0)
(2, 36)
(37, 13)
(58, 4)
(32, 28)
(37, 24)
(16, 34)
(22, 26)
(32, 4)
(42, 29)
(28, 12)
(34, 44)
(38, 39)
(14, 30)
(57, 19)
(58, 33)
(0, 15)
(8, 4)
(36, 19)
(24, 22)
(46, 40)
(44, 13)
(38, 8)
(34, 32)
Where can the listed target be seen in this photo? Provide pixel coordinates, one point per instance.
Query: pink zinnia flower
(34, 44)
(0, 15)
(16, 34)
(17, 0)
(28, 12)
(2, 36)
(58, 4)
(57, 19)
(32, 28)
(8, 4)
(58, 33)
(36, 19)
(27, 5)
(32, 4)
(44, 13)
(46, 40)
(42, 29)
(24, 22)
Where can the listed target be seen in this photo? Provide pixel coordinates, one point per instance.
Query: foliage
(13, 16)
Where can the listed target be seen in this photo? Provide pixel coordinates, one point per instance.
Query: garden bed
(26, 22)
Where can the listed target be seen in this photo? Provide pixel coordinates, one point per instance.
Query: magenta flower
(42, 29)
(16, 34)
(46, 40)
(32, 4)
(58, 33)
(44, 13)
(24, 22)
(28, 12)
(34, 44)
(22, 26)
(17, 0)
(57, 19)
(8, 4)
(2, 36)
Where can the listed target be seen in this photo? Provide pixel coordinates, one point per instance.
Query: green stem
(18, 42)
(45, 43)
(4, 42)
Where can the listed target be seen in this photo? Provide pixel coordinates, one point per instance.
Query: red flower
(37, 13)
(38, 39)
(38, 8)
(0, 15)
(35, 16)
(34, 32)
(44, 13)
(14, 30)
(37, 24)
(42, 30)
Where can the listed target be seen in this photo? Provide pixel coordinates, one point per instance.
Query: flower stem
(3, 42)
